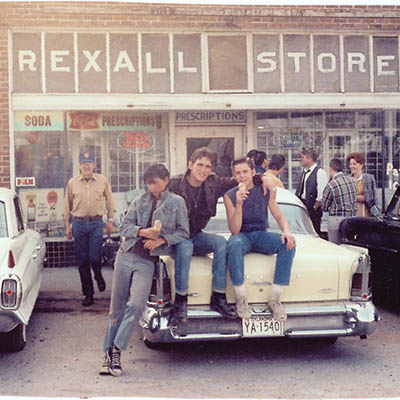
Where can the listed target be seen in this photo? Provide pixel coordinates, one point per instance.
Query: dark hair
(203, 152)
(155, 171)
(260, 157)
(336, 165)
(357, 156)
(308, 151)
(252, 153)
(277, 162)
(243, 160)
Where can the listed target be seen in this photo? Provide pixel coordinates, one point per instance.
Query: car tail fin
(361, 285)
(11, 260)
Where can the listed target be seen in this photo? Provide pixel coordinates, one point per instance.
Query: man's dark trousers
(88, 237)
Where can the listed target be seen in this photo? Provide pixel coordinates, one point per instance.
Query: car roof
(283, 196)
(287, 197)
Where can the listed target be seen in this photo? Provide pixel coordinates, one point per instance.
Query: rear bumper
(305, 320)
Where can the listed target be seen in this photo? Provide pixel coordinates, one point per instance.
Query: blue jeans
(131, 286)
(88, 238)
(259, 242)
(200, 245)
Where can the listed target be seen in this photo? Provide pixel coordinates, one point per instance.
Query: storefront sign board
(210, 117)
(108, 121)
(38, 121)
(172, 63)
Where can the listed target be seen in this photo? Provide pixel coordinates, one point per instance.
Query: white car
(329, 295)
(22, 253)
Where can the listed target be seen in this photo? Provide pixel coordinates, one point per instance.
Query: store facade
(134, 97)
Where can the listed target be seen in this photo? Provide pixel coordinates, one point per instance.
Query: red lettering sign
(135, 140)
(26, 181)
(83, 121)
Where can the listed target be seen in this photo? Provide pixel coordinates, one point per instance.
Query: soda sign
(136, 141)
(83, 121)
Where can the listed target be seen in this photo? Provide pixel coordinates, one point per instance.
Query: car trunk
(314, 277)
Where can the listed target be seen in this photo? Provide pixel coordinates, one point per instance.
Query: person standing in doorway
(339, 199)
(85, 197)
(312, 183)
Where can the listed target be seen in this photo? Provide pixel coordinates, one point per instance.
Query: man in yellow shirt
(85, 197)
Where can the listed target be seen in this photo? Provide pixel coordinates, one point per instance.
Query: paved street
(63, 355)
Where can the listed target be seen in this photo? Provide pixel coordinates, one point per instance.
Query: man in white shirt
(311, 186)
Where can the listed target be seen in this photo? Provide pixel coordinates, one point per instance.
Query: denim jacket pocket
(167, 215)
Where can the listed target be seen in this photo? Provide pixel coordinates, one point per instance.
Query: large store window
(334, 134)
(392, 146)
(124, 144)
(42, 155)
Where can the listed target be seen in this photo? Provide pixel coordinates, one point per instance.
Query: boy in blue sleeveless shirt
(247, 213)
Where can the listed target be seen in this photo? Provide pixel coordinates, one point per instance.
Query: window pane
(42, 155)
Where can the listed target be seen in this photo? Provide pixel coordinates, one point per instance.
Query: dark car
(381, 236)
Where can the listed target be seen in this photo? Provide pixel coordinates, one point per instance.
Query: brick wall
(125, 16)
(4, 131)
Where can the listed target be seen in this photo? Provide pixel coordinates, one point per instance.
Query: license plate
(261, 325)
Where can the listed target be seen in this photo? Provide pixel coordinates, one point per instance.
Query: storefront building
(136, 84)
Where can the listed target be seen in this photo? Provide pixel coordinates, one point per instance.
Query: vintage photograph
(200, 199)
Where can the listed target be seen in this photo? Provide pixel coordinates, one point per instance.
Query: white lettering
(57, 56)
(27, 57)
(262, 58)
(389, 167)
(382, 62)
(356, 59)
(331, 59)
(181, 67)
(123, 61)
(91, 60)
(150, 69)
(296, 59)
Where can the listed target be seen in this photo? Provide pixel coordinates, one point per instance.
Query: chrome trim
(344, 318)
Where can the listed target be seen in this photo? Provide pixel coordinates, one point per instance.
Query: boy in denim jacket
(142, 242)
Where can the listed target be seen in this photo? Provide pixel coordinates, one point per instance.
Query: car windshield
(297, 217)
(3, 221)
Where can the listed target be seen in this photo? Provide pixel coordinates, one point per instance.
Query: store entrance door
(226, 141)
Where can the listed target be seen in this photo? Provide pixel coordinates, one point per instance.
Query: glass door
(225, 141)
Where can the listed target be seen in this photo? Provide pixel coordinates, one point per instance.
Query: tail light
(9, 293)
(361, 285)
(11, 260)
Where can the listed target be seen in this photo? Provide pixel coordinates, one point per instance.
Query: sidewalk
(61, 291)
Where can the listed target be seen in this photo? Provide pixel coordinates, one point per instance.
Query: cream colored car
(329, 293)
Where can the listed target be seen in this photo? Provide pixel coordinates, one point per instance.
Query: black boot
(179, 316)
(218, 303)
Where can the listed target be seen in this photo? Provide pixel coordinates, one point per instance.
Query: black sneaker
(105, 368)
(218, 303)
(115, 361)
(179, 312)
(88, 300)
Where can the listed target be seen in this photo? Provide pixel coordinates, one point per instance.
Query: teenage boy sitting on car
(247, 213)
